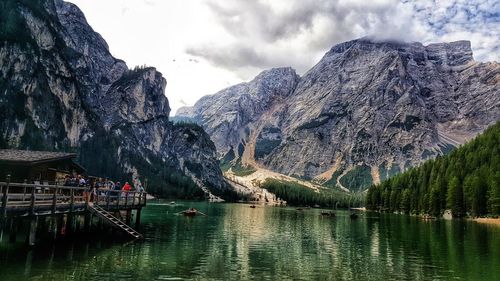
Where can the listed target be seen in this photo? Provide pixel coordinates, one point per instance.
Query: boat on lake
(428, 217)
(253, 206)
(328, 214)
(191, 212)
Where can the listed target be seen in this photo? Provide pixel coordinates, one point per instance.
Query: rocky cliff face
(228, 115)
(367, 110)
(62, 89)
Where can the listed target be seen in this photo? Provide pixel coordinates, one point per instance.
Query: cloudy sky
(202, 46)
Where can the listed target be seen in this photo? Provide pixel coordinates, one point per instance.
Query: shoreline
(489, 221)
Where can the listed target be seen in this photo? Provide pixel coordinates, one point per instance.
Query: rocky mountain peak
(367, 110)
(450, 53)
(241, 105)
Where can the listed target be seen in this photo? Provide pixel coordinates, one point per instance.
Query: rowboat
(331, 214)
(190, 212)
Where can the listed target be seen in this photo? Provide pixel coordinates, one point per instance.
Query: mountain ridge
(365, 111)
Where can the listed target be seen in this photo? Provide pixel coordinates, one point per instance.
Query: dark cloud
(297, 32)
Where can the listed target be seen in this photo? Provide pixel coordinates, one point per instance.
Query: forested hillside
(467, 181)
(296, 194)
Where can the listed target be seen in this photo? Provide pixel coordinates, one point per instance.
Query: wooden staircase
(113, 221)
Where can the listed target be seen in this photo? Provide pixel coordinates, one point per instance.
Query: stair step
(115, 221)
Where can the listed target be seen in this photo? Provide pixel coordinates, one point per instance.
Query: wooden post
(97, 196)
(86, 194)
(24, 191)
(100, 224)
(62, 225)
(72, 223)
(118, 198)
(107, 199)
(72, 202)
(54, 201)
(138, 218)
(31, 239)
(5, 200)
(13, 230)
(32, 201)
(53, 228)
(128, 217)
(87, 221)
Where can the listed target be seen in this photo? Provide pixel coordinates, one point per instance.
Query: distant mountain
(61, 89)
(228, 115)
(467, 181)
(366, 111)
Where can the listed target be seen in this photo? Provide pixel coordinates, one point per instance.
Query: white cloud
(234, 40)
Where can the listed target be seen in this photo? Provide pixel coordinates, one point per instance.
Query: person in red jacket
(126, 187)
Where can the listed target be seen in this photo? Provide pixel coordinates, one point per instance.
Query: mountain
(228, 115)
(467, 181)
(61, 89)
(366, 111)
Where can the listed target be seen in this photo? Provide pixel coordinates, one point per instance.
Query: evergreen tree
(467, 181)
(454, 197)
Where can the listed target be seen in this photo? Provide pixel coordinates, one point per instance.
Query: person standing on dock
(126, 187)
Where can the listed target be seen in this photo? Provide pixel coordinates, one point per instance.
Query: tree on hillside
(454, 198)
(467, 181)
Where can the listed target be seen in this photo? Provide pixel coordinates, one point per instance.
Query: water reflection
(235, 242)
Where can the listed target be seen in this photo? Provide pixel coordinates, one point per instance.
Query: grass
(242, 171)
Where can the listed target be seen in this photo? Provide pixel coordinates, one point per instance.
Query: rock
(63, 90)
(366, 111)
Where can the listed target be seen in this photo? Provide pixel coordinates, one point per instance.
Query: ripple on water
(236, 242)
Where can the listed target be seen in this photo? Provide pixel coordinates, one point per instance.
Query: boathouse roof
(30, 157)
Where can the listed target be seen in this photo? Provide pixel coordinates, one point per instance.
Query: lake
(236, 242)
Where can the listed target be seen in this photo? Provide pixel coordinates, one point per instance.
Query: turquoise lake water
(236, 242)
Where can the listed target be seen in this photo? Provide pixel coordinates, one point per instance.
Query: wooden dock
(20, 201)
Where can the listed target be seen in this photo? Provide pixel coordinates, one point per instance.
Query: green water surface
(235, 242)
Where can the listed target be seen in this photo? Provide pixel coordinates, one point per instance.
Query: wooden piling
(31, 239)
(71, 224)
(13, 226)
(87, 222)
(128, 217)
(62, 226)
(138, 218)
(5, 199)
(53, 228)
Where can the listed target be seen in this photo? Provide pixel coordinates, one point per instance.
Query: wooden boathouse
(31, 190)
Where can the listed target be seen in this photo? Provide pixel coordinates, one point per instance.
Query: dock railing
(31, 199)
